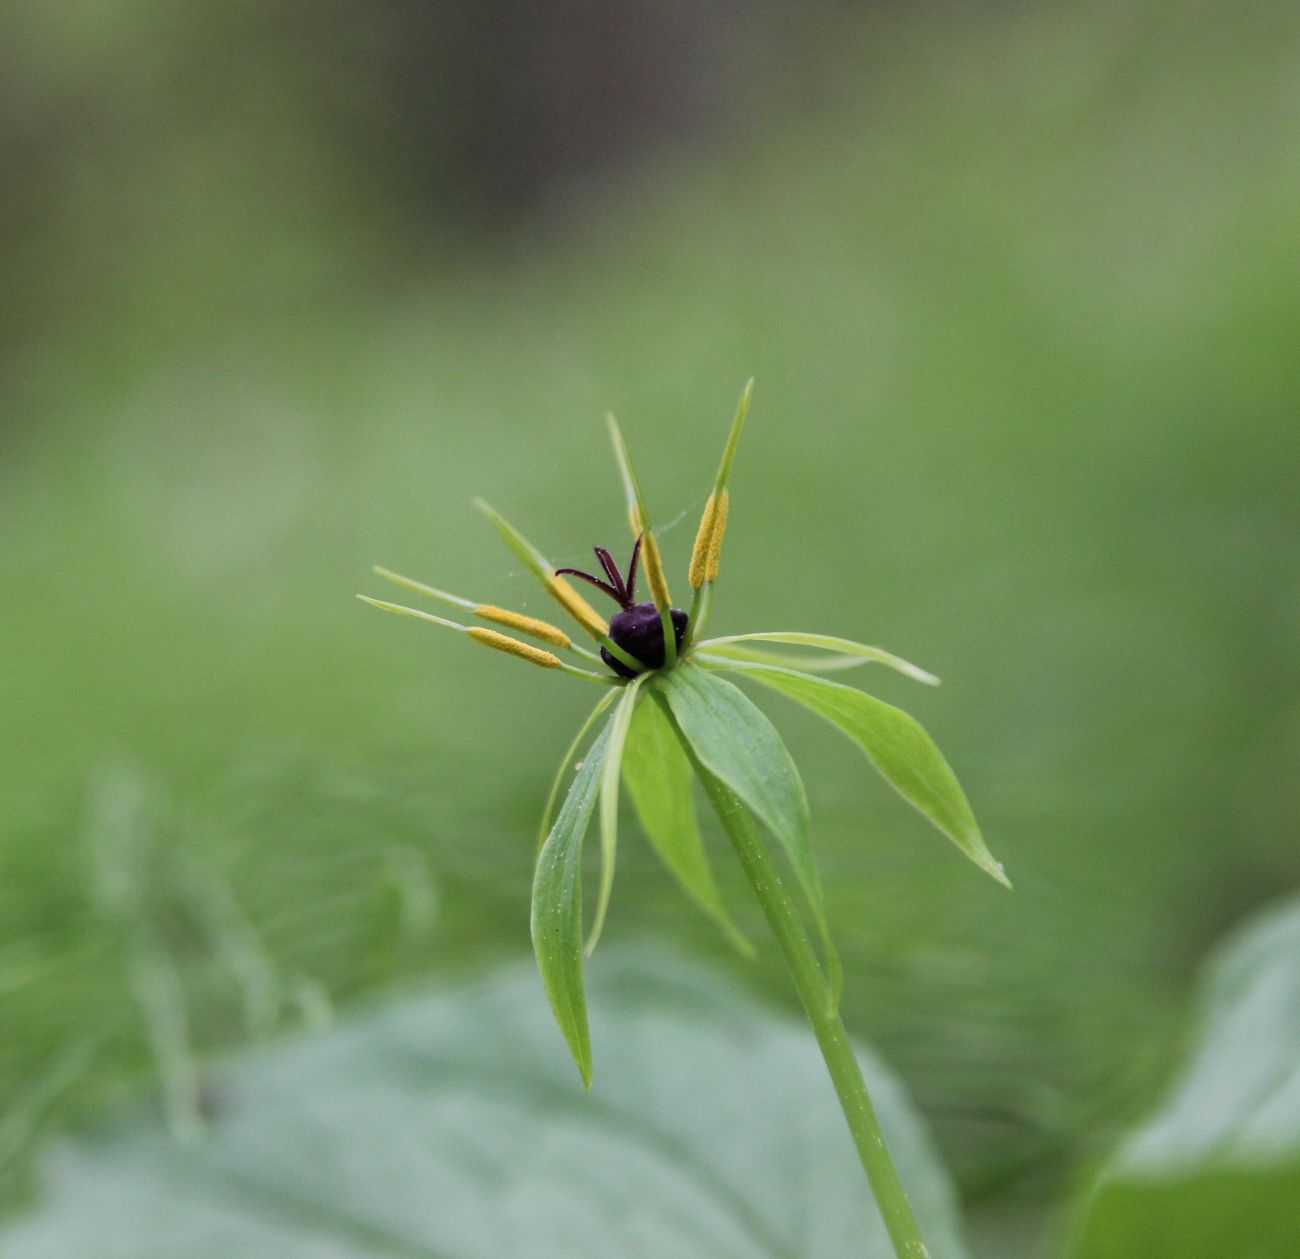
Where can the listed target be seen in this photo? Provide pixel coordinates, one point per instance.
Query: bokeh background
(284, 285)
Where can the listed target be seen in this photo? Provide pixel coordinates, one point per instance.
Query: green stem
(788, 928)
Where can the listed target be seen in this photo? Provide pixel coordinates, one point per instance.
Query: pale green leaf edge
(685, 688)
(733, 645)
(609, 780)
(676, 839)
(556, 918)
(947, 807)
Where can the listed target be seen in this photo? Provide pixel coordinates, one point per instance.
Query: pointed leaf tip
(556, 921)
(897, 745)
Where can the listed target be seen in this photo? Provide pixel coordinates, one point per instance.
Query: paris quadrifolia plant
(670, 717)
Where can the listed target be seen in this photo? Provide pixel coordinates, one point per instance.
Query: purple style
(637, 629)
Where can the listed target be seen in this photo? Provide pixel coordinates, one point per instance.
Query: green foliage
(448, 1126)
(897, 746)
(660, 782)
(1215, 1172)
(610, 776)
(738, 744)
(1025, 315)
(557, 905)
(840, 653)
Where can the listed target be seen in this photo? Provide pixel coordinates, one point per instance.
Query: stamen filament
(420, 588)
(642, 526)
(707, 553)
(501, 642)
(541, 568)
(530, 625)
(403, 610)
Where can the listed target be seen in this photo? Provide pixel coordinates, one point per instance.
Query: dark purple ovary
(639, 630)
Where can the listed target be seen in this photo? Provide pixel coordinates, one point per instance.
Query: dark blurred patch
(489, 110)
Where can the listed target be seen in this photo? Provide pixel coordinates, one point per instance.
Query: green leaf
(548, 810)
(659, 778)
(844, 653)
(736, 742)
(557, 906)
(609, 778)
(1215, 1172)
(897, 746)
(447, 1126)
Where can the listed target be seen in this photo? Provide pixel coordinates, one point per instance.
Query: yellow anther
(513, 647)
(715, 541)
(708, 540)
(576, 606)
(529, 625)
(654, 571)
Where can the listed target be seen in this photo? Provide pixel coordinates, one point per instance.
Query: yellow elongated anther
(540, 567)
(576, 606)
(529, 625)
(513, 647)
(653, 564)
(707, 551)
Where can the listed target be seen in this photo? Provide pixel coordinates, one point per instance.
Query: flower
(675, 719)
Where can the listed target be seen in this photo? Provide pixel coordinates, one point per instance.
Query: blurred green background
(284, 285)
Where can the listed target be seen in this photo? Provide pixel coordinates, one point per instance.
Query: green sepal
(842, 653)
(898, 746)
(557, 907)
(548, 810)
(660, 781)
(736, 743)
(609, 778)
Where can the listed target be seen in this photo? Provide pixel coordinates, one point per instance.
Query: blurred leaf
(737, 743)
(897, 746)
(447, 1126)
(844, 652)
(557, 906)
(1215, 1173)
(660, 781)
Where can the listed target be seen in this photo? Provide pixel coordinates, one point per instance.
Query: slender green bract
(897, 746)
(661, 783)
(557, 907)
(609, 778)
(843, 653)
(548, 810)
(736, 743)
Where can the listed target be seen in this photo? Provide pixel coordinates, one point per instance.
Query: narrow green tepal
(548, 810)
(557, 907)
(840, 653)
(736, 743)
(609, 780)
(897, 745)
